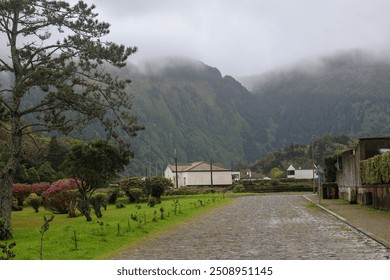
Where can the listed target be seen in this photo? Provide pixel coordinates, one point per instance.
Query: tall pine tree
(54, 52)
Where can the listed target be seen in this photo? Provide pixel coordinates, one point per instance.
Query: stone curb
(367, 233)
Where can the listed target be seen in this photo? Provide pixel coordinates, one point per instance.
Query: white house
(199, 174)
(300, 173)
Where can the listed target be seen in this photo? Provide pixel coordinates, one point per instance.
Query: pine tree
(55, 53)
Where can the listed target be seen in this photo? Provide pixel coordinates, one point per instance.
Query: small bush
(15, 206)
(120, 205)
(97, 201)
(152, 201)
(34, 201)
(57, 197)
(238, 189)
(5, 230)
(21, 192)
(135, 195)
(113, 194)
(7, 251)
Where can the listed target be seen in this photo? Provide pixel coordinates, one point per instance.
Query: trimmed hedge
(375, 170)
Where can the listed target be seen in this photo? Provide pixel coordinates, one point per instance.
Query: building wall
(304, 174)
(199, 178)
(348, 178)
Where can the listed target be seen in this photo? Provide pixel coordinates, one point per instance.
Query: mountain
(188, 107)
(347, 93)
(191, 112)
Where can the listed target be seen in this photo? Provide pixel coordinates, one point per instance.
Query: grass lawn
(105, 237)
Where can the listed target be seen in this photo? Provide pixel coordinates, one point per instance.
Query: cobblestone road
(279, 227)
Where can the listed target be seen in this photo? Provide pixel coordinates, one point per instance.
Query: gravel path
(262, 227)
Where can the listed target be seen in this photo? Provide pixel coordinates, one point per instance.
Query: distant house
(249, 175)
(200, 174)
(299, 173)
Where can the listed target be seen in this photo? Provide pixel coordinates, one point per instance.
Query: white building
(300, 173)
(199, 174)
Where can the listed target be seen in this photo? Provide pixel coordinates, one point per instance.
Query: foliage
(47, 173)
(57, 197)
(301, 155)
(94, 164)
(156, 186)
(113, 194)
(192, 191)
(276, 173)
(99, 200)
(21, 192)
(133, 188)
(238, 188)
(32, 175)
(40, 188)
(6, 250)
(5, 229)
(56, 60)
(375, 170)
(152, 201)
(56, 152)
(34, 201)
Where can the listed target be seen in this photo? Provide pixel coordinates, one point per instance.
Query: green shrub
(97, 201)
(375, 170)
(120, 205)
(34, 201)
(15, 205)
(5, 230)
(113, 194)
(238, 189)
(135, 195)
(152, 201)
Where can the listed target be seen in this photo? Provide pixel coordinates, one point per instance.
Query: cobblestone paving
(274, 227)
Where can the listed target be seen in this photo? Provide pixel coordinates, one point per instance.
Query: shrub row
(375, 170)
(271, 186)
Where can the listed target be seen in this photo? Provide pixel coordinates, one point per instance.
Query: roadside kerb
(364, 231)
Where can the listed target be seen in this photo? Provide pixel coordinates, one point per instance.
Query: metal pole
(312, 160)
(177, 182)
(211, 172)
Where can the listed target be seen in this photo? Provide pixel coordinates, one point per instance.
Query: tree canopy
(93, 165)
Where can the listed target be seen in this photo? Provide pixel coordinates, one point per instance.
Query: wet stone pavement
(273, 227)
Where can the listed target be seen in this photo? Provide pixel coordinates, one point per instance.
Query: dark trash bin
(367, 198)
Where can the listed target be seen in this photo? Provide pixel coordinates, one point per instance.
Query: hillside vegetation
(347, 93)
(192, 112)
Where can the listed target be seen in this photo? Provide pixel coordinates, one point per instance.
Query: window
(290, 172)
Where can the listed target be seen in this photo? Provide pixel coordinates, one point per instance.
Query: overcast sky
(244, 37)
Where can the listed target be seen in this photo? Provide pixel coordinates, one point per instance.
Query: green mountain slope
(347, 93)
(191, 109)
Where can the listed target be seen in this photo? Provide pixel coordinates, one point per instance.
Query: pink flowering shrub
(21, 192)
(39, 188)
(58, 197)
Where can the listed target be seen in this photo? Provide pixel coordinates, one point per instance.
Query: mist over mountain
(189, 109)
(191, 112)
(345, 93)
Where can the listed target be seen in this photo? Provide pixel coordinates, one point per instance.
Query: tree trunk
(85, 206)
(5, 205)
(7, 176)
